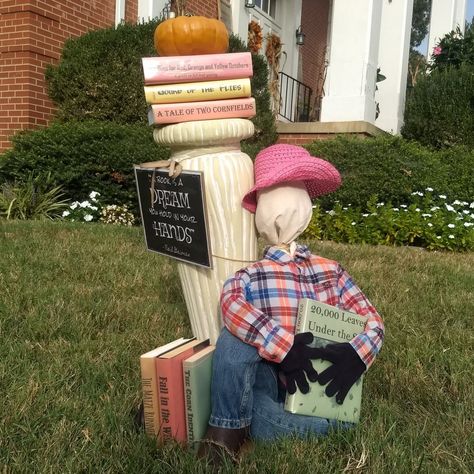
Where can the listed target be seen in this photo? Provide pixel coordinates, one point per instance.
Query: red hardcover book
(169, 371)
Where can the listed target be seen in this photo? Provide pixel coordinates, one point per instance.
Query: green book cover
(328, 324)
(197, 371)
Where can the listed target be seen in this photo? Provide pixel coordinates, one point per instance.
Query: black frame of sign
(175, 221)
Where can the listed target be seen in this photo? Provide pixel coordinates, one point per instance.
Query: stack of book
(200, 87)
(176, 385)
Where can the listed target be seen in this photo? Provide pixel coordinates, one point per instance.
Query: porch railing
(295, 99)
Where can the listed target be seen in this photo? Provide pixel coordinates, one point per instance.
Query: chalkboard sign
(173, 214)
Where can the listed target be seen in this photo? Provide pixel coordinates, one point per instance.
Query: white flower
(380, 204)
(364, 215)
(435, 208)
(429, 189)
(430, 224)
(88, 217)
(344, 208)
(426, 215)
(451, 226)
(465, 211)
(438, 236)
(449, 208)
(353, 223)
(451, 236)
(442, 196)
(93, 195)
(471, 206)
(417, 209)
(456, 202)
(468, 224)
(395, 209)
(74, 205)
(403, 206)
(417, 193)
(85, 204)
(66, 213)
(464, 203)
(331, 212)
(94, 208)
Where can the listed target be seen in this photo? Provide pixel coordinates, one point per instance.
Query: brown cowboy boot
(222, 443)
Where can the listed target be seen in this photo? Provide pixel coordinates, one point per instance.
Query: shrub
(454, 49)
(84, 156)
(427, 220)
(440, 108)
(100, 76)
(35, 198)
(393, 168)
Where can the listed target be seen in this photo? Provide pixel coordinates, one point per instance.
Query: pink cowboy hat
(283, 163)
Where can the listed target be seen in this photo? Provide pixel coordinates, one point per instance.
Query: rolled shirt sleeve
(369, 342)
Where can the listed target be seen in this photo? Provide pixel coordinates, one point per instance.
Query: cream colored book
(328, 325)
(197, 91)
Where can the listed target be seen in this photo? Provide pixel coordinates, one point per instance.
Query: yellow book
(197, 91)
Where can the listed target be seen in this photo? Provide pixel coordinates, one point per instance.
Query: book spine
(300, 317)
(206, 67)
(196, 91)
(173, 424)
(150, 396)
(164, 383)
(188, 404)
(209, 110)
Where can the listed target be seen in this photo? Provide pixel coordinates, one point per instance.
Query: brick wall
(314, 22)
(203, 7)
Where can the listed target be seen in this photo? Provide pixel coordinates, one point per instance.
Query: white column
(149, 9)
(446, 15)
(353, 53)
(394, 49)
(119, 11)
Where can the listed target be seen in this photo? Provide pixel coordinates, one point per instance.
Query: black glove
(298, 362)
(346, 369)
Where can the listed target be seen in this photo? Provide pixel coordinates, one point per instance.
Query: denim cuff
(226, 423)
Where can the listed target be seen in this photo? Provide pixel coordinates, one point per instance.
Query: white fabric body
(283, 212)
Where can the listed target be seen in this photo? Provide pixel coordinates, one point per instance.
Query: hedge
(83, 157)
(393, 168)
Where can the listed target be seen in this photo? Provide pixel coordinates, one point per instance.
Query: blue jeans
(245, 391)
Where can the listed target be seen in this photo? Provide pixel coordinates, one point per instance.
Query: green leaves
(35, 198)
(427, 220)
(84, 156)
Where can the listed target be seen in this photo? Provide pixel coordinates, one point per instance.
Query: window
(268, 6)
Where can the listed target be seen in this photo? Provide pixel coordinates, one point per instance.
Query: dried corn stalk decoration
(255, 37)
(273, 52)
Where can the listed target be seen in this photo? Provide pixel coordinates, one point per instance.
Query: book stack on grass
(176, 385)
(199, 87)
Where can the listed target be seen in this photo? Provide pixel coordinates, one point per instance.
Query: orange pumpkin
(188, 35)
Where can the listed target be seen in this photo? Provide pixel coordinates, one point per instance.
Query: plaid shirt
(259, 303)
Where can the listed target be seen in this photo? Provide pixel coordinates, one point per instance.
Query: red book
(206, 110)
(200, 67)
(169, 371)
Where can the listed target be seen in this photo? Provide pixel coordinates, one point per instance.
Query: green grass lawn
(79, 303)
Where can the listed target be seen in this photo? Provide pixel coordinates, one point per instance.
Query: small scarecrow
(258, 357)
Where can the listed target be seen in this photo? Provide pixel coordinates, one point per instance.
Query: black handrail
(295, 99)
